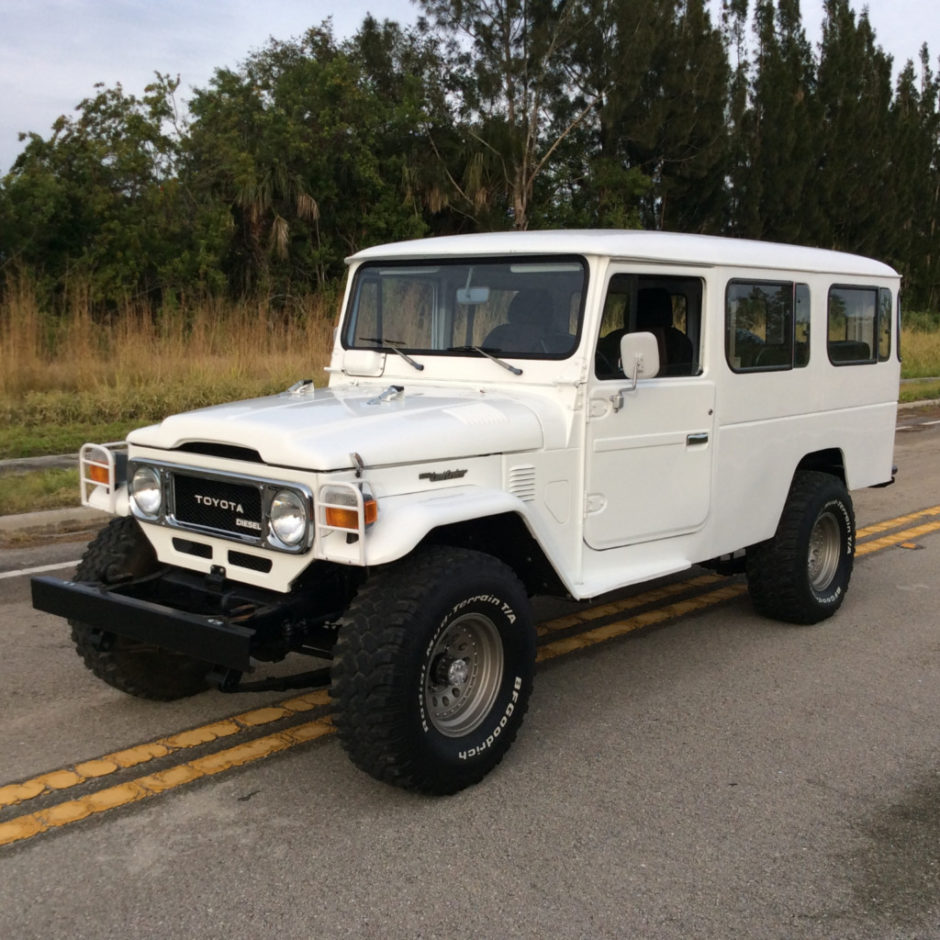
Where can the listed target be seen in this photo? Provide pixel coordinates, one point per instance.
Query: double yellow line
(573, 632)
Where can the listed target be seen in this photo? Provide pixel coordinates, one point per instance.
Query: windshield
(523, 308)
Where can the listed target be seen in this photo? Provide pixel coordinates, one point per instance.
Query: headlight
(288, 517)
(147, 491)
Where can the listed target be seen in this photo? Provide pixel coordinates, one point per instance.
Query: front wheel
(432, 670)
(801, 575)
(119, 553)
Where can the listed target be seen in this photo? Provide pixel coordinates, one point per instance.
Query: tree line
(485, 115)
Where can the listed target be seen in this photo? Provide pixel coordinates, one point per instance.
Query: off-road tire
(801, 575)
(118, 553)
(433, 668)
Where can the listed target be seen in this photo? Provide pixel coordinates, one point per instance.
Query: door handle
(700, 438)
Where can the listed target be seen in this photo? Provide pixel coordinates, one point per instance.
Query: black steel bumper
(213, 638)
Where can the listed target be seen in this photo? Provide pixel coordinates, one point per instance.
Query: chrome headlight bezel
(288, 519)
(146, 491)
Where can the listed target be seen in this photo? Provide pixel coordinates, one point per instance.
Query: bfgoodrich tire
(802, 574)
(118, 553)
(432, 670)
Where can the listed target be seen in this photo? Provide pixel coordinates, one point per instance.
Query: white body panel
(689, 468)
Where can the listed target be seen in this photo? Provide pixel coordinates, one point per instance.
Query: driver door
(649, 462)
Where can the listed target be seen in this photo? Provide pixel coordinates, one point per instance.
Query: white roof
(635, 245)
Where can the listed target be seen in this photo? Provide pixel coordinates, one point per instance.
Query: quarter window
(854, 335)
(885, 316)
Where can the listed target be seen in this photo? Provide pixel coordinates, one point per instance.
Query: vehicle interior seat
(529, 318)
(654, 315)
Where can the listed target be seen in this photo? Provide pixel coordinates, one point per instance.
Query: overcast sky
(53, 51)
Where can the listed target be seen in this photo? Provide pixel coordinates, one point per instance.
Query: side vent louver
(522, 482)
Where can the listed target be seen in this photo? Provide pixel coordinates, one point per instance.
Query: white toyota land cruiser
(507, 415)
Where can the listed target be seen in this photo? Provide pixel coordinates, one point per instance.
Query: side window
(801, 326)
(853, 325)
(668, 307)
(885, 316)
(897, 345)
(766, 325)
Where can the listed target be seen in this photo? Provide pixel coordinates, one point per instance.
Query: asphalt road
(713, 775)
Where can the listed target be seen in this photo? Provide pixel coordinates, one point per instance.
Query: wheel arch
(490, 521)
(504, 536)
(831, 461)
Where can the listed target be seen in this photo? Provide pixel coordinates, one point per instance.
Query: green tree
(516, 101)
(99, 202)
(662, 139)
(292, 144)
(915, 140)
(855, 184)
(774, 175)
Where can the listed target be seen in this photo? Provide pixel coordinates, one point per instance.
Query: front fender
(403, 521)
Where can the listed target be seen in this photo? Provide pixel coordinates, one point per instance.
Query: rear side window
(859, 325)
(885, 319)
(766, 325)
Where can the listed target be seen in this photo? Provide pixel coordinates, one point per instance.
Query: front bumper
(213, 639)
(227, 625)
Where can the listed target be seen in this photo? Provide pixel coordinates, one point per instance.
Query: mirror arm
(616, 399)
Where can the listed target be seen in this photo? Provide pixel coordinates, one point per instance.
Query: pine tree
(915, 133)
(855, 186)
(775, 169)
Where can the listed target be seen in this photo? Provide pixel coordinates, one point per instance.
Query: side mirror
(639, 358)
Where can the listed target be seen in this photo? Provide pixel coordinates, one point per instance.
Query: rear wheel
(801, 575)
(433, 669)
(119, 553)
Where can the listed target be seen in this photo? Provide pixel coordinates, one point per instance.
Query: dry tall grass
(920, 350)
(140, 365)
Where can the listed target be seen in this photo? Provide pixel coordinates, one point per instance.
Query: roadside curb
(50, 462)
(50, 523)
(915, 405)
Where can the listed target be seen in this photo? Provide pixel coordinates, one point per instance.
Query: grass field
(64, 381)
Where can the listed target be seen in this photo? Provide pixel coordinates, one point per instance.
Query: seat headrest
(530, 307)
(653, 308)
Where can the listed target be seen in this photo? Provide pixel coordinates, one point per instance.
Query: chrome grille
(217, 504)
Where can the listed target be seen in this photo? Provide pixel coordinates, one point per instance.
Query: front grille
(250, 561)
(218, 504)
(192, 548)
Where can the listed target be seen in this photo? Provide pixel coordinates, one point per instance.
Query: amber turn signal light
(341, 517)
(99, 473)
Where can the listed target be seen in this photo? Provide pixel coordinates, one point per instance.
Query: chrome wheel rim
(825, 551)
(464, 675)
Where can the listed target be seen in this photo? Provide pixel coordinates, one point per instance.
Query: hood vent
(228, 451)
(522, 482)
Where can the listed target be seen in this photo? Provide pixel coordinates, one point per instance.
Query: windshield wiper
(386, 345)
(515, 370)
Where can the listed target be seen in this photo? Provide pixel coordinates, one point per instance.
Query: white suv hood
(318, 430)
